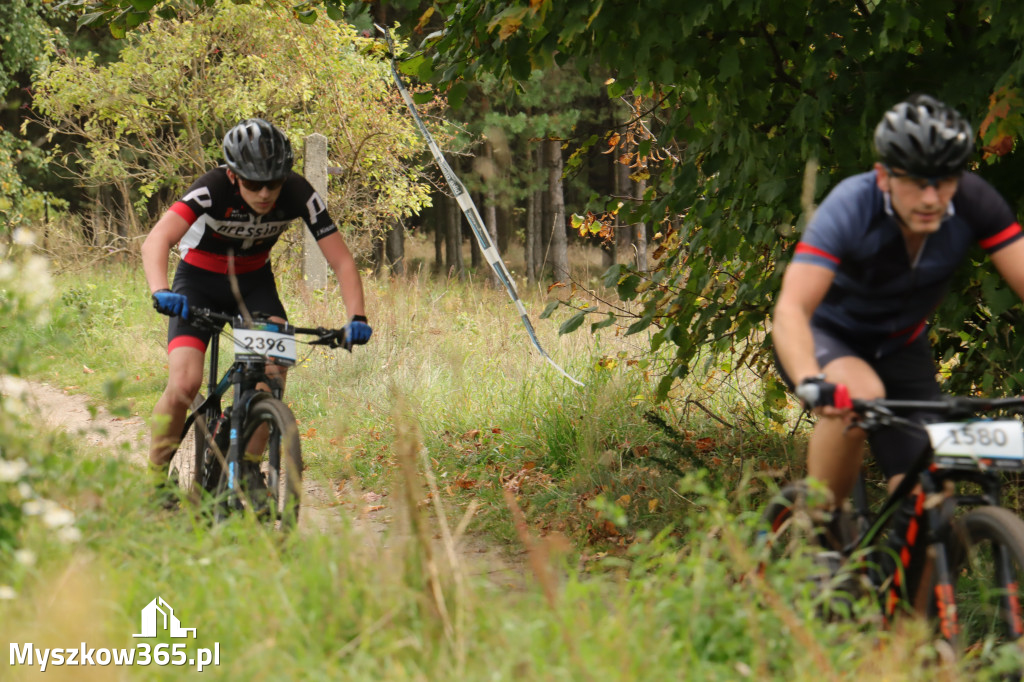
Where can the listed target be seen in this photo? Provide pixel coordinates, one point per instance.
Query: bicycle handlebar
(333, 338)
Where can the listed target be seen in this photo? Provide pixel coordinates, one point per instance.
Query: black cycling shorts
(908, 373)
(205, 289)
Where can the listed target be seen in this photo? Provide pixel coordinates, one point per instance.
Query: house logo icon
(158, 614)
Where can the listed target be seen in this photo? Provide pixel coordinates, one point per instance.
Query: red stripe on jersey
(814, 251)
(215, 262)
(182, 209)
(186, 342)
(997, 239)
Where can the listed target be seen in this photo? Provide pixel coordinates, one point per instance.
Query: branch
(779, 69)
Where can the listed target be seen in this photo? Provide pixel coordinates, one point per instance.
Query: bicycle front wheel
(186, 467)
(987, 558)
(272, 463)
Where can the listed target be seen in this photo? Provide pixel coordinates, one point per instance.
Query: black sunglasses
(257, 185)
(923, 180)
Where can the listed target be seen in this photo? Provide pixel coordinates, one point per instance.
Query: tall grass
(447, 409)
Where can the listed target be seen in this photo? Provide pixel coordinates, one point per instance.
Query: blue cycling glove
(357, 332)
(169, 303)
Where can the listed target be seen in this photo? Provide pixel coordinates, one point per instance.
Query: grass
(658, 579)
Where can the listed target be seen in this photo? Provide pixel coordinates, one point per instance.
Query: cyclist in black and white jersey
(872, 266)
(225, 225)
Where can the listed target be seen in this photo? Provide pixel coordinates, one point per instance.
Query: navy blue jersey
(878, 297)
(222, 223)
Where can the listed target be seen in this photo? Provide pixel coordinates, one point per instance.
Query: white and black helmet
(257, 150)
(924, 137)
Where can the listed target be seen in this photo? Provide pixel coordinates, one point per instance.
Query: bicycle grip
(818, 393)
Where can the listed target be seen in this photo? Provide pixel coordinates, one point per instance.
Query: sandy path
(324, 509)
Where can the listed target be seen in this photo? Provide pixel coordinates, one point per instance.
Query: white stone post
(314, 267)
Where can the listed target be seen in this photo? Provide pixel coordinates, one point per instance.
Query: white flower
(7, 592)
(56, 516)
(33, 507)
(25, 557)
(204, 561)
(12, 470)
(69, 534)
(23, 236)
(25, 490)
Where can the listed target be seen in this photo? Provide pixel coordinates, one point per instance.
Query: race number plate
(265, 343)
(978, 444)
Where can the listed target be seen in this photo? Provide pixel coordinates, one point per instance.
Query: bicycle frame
(927, 481)
(243, 377)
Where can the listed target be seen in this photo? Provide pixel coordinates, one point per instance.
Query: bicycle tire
(987, 605)
(274, 490)
(186, 465)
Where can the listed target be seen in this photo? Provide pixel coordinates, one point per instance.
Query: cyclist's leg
(185, 376)
(835, 453)
(908, 374)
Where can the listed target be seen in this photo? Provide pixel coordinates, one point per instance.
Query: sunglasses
(924, 181)
(257, 185)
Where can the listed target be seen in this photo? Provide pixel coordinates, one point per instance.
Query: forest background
(688, 150)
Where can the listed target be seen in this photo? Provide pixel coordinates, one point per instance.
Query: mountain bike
(220, 456)
(943, 527)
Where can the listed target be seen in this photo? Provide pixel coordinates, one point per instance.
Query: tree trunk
(453, 239)
(378, 256)
(559, 238)
(476, 258)
(440, 223)
(640, 232)
(490, 215)
(530, 239)
(623, 186)
(394, 248)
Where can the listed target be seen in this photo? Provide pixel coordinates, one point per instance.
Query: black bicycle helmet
(257, 150)
(924, 137)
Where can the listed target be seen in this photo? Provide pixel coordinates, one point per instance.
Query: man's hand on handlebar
(357, 332)
(824, 398)
(171, 304)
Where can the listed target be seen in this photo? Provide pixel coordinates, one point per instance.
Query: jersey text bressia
(223, 225)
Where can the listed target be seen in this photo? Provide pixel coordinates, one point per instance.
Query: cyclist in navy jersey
(873, 264)
(225, 226)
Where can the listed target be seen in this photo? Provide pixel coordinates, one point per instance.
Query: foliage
(153, 120)
(744, 97)
(26, 41)
(27, 44)
(25, 293)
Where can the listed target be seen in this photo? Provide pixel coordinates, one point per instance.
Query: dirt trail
(324, 508)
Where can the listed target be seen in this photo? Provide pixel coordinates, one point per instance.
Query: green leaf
(90, 19)
(307, 16)
(456, 95)
(423, 97)
(334, 13)
(551, 307)
(607, 322)
(729, 65)
(573, 323)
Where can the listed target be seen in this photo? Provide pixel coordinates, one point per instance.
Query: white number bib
(265, 343)
(978, 444)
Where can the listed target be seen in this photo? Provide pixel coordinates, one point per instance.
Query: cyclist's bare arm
(803, 288)
(1009, 261)
(167, 232)
(344, 266)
